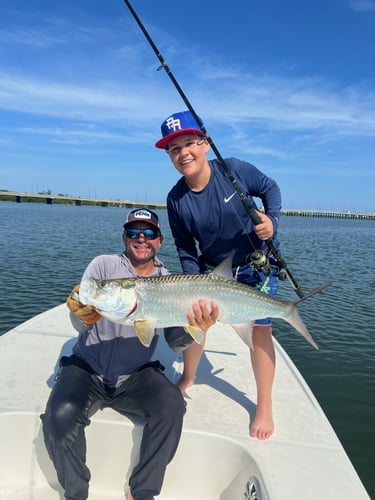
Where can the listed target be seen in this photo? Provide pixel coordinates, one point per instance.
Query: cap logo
(173, 124)
(178, 124)
(142, 214)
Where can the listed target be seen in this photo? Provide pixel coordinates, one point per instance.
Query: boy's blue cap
(178, 124)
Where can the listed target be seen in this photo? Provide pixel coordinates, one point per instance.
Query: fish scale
(169, 297)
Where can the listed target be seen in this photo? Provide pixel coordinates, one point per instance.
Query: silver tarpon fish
(149, 303)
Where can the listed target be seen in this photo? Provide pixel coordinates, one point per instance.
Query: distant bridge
(75, 200)
(104, 202)
(328, 214)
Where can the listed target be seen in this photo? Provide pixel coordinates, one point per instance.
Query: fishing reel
(260, 262)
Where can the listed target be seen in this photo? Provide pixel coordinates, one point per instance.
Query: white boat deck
(216, 459)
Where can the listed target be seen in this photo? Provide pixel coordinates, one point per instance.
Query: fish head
(113, 299)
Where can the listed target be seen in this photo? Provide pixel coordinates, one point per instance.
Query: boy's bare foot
(263, 425)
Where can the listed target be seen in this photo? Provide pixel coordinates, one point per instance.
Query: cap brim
(134, 221)
(163, 143)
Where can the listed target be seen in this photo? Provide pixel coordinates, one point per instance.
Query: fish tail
(318, 289)
(295, 320)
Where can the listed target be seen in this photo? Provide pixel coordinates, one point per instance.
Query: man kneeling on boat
(111, 368)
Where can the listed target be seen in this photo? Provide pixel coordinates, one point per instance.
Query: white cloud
(30, 38)
(275, 103)
(362, 5)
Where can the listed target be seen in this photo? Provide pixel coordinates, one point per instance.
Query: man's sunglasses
(134, 233)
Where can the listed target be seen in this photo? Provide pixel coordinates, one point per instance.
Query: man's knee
(172, 402)
(60, 424)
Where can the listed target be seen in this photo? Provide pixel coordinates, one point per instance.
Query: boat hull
(216, 459)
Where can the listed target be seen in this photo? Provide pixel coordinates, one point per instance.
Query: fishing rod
(248, 206)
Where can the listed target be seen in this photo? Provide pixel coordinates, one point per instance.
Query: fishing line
(246, 203)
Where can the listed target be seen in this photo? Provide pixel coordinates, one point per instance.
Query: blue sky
(288, 86)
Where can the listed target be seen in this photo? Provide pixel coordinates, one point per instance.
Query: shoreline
(51, 199)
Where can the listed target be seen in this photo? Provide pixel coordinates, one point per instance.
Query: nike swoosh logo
(229, 197)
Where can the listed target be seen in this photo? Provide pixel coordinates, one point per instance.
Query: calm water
(45, 248)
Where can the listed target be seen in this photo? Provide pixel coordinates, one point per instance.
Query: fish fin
(224, 269)
(295, 320)
(145, 329)
(194, 332)
(245, 332)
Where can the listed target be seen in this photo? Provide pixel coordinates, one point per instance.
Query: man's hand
(88, 314)
(264, 230)
(201, 316)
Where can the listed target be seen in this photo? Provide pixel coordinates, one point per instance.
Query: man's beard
(137, 260)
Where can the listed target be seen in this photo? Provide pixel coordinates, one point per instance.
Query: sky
(287, 86)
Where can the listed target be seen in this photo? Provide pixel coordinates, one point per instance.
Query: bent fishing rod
(248, 206)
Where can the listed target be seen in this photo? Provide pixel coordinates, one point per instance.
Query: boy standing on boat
(111, 368)
(204, 208)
